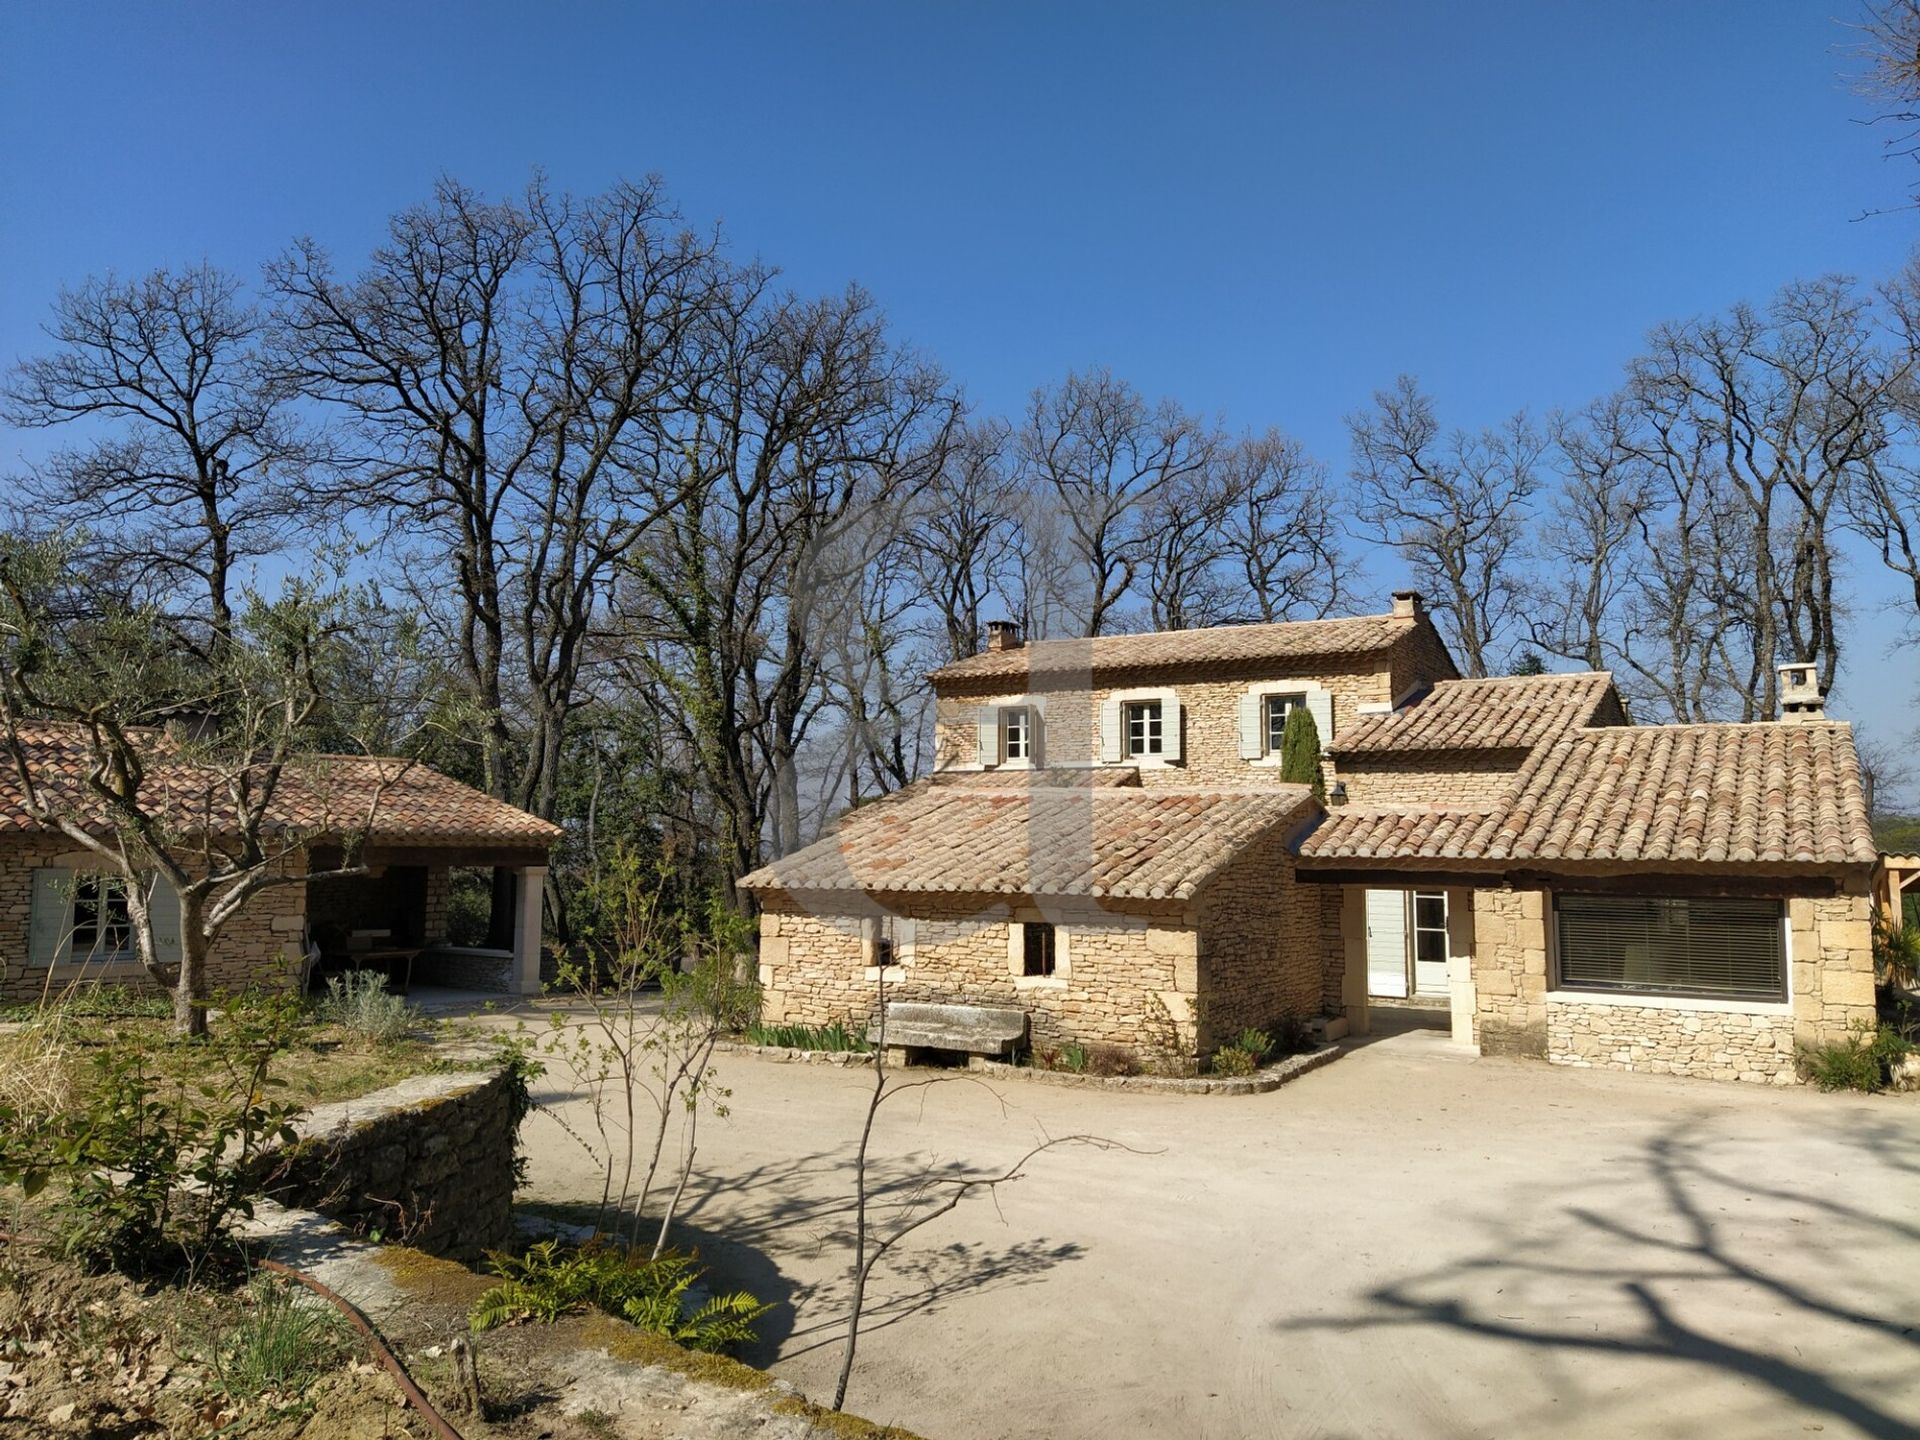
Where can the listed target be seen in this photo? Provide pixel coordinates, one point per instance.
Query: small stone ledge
(1270, 1078)
(794, 1055)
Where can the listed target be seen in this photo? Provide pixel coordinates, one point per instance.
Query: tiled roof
(322, 794)
(1775, 794)
(1159, 843)
(1509, 713)
(1161, 649)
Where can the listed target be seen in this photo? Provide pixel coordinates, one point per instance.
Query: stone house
(1106, 843)
(62, 921)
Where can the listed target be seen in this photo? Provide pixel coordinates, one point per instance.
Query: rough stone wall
(1262, 950)
(1333, 947)
(1663, 1040)
(439, 898)
(1460, 779)
(1210, 702)
(1122, 969)
(258, 948)
(1831, 986)
(1510, 972)
(1420, 658)
(1830, 947)
(427, 1162)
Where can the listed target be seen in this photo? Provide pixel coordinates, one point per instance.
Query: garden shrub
(835, 1037)
(360, 1004)
(1864, 1061)
(132, 1140)
(1257, 1043)
(552, 1280)
(1232, 1061)
(1896, 953)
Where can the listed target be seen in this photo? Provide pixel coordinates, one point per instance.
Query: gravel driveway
(1409, 1242)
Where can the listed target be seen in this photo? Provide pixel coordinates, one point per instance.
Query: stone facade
(1716, 1043)
(1830, 986)
(1210, 709)
(1462, 780)
(1250, 949)
(259, 948)
(428, 1162)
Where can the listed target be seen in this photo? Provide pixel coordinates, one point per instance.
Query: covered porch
(460, 917)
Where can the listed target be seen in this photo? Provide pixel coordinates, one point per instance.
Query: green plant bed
(835, 1038)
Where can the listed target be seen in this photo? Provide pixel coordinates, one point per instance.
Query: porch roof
(1666, 797)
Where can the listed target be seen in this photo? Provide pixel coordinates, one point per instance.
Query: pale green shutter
(1170, 727)
(1320, 706)
(987, 737)
(1253, 739)
(163, 911)
(1110, 731)
(50, 923)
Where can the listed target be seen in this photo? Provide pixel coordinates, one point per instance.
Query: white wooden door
(1387, 942)
(1430, 942)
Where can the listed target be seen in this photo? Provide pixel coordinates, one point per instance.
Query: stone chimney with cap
(1003, 635)
(1801, 698)
(1406, 605)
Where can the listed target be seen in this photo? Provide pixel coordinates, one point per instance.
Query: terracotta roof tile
(1507, 713)
(322, 794)
(1685, 795)
(1163, 649)
(1160, 843)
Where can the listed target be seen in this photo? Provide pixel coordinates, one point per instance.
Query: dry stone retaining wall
(428, 1162)
(1664, 1040)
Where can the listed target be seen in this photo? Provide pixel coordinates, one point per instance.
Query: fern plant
(552, 1280)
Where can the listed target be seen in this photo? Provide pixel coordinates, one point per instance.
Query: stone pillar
(1353, 939)
(1460, 948)
(1510, 972)
(531, 896)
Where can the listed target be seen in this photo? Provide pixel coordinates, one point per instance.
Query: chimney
(1800, 697)
(1003, 635)
(1406, 605)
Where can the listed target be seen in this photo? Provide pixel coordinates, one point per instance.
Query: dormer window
(1016, 733)
(1277, 709)
(1146, 732)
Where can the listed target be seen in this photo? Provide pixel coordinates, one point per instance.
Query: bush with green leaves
(1232, 1061)
(1896, 953)
(1257, 1043)
(836, 1037)
(360, 1004)
(275, 1341)
(651, 1292)
(1864, 1061)
(120, 1160)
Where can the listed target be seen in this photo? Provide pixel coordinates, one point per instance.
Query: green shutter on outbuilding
(49, 924)
(163, 910)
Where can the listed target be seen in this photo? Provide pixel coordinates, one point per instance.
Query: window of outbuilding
(1278, 708)
(1711, 948)
(102, 925)
(1042, 947)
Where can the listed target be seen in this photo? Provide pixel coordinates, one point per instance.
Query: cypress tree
(1300, 752)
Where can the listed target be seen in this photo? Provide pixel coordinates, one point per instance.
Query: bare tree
(185, 480)
(1283, 534)
(961, 542)
(1106, 456)
(1455, 505)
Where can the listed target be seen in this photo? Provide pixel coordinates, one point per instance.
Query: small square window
(1016, 733)
(880, 947)
(1279, 707)
(1039, 944)
(1145, 735)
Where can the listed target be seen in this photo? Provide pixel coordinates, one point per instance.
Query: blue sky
(1265, 211)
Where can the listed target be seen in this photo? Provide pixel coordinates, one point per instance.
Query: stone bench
(996, 1030)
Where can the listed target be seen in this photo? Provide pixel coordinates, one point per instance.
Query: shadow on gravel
(1693, 1278)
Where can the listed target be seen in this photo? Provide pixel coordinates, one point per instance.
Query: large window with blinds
(1709, 948)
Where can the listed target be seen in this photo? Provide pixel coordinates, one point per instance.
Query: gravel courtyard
(1409, 1242)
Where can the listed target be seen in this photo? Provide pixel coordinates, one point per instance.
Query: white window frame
(1317, 698)
(1143, 729)
(990, 715)
(1114, 721)
(1028, 729)
(1017, 954)
(104, 882)
(1292, 700)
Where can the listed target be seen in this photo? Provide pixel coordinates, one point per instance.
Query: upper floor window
(1016, 732)
(1278, 708)
(1145, 728)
